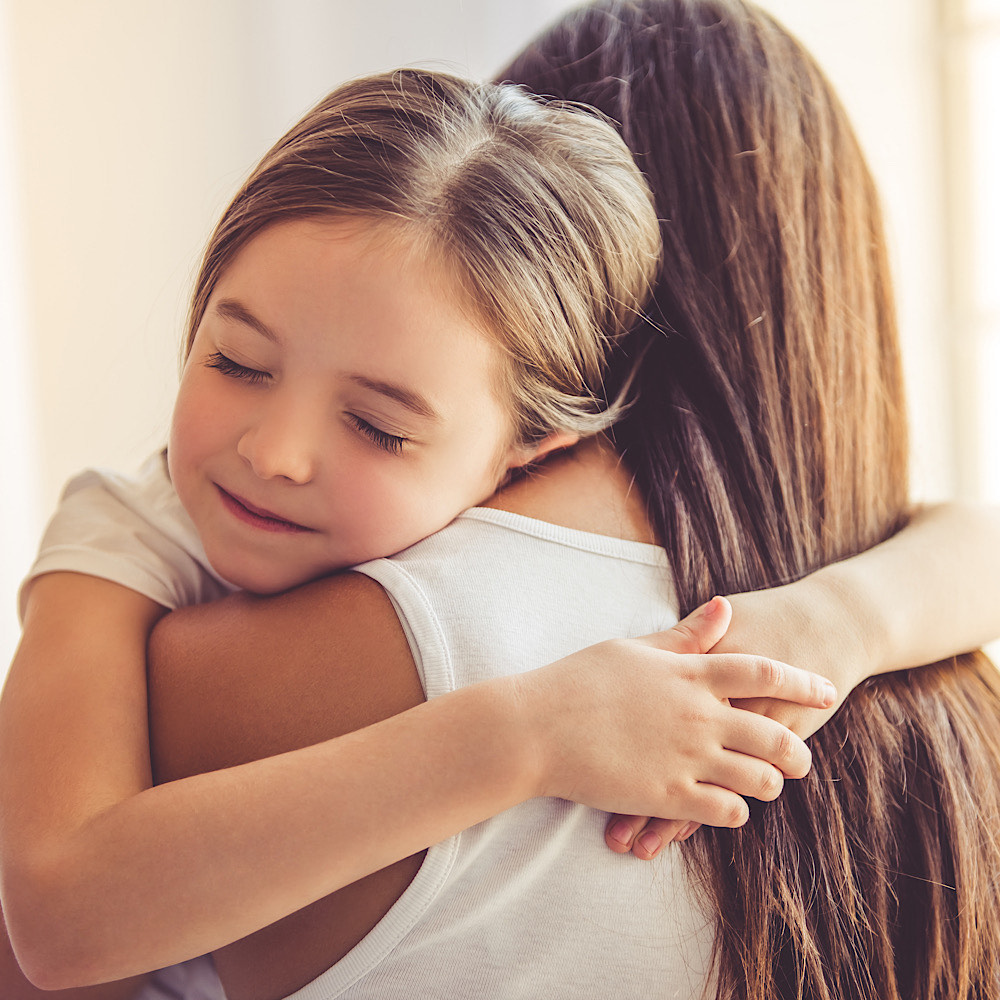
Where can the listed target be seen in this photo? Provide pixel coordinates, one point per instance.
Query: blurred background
(126, 125)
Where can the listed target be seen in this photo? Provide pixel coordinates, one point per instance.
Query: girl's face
(337, 405)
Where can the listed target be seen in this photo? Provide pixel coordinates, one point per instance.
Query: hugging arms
(247, 678)
(835, 619)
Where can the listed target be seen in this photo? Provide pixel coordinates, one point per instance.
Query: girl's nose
(279, 447)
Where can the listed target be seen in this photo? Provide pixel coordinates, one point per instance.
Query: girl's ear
(526, 454)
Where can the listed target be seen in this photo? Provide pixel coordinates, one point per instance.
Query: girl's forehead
(326, 274)
(387, 289)
(372, 236)
(403, 243)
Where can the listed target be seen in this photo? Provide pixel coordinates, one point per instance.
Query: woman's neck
(586, 487)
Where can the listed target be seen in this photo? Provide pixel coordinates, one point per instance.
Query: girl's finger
(654, 835)
(747, 776)
(686, 832)
(621, 830)
(756, 736)
(738, 676)
(698, 632)
(712, 805)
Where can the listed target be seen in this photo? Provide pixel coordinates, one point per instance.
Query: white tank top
(530, 904)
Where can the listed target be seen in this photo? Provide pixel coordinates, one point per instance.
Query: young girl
(409, 301)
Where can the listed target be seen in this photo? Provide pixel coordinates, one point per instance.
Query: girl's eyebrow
(413, 401)
(236, 311)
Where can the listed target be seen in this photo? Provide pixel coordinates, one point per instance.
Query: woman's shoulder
(338, 638)
(585, 488)
(250, 677)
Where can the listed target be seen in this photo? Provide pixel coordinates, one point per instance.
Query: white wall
(136, 119)
(20, 516)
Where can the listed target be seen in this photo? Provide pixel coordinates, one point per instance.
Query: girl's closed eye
(234, 369)
(392, 443)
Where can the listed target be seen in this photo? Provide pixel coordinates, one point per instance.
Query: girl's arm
(14, 985)
(200, 660)
(104, 877)
(929, 592)
(919, 596)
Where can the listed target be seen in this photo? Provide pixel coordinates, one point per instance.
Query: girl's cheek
(204, 398)
(182, 420)
(198, 416)
(385, 510)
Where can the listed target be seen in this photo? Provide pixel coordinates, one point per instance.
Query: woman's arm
(104, 877)
(929, 592)
(247, 678)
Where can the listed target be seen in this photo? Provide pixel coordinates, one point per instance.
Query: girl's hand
(807, 623)
(873, 613)
(666, 733)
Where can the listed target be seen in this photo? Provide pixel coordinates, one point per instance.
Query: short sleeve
(132, 531)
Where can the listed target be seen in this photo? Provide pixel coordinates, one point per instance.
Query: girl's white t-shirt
(131, 530)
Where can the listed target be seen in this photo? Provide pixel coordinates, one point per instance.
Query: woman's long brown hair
(769, 438)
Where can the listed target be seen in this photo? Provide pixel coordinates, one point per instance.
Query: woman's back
(530, 903)
(770, 438)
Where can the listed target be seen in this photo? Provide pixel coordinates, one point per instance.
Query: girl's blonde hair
(538, 208)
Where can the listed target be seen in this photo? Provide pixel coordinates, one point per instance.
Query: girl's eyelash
(233, 369)
(391, 443)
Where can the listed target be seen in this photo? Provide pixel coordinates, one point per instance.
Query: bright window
(973, 110)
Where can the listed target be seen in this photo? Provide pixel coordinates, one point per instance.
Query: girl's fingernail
(830, 692)
(621, 833)
(684, 832)
(650, 842)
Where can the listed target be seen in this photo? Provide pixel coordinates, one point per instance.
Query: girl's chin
(261, 579)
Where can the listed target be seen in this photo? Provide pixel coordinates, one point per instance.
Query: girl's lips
(258, 517)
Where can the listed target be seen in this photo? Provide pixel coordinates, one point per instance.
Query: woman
(842, 887)
(775, 487)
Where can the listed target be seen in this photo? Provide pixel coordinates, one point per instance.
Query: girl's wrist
(528, 725)
(550, 717)
(517, 757)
